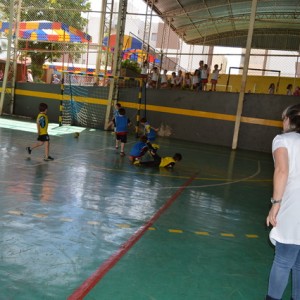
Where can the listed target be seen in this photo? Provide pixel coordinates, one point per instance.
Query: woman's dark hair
(293, 114)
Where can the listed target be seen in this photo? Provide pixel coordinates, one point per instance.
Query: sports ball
(76, 135)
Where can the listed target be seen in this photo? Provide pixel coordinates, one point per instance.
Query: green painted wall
(207, 117)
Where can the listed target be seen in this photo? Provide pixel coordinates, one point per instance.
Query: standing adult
(284, 213)
(29, 76)
(201, 65)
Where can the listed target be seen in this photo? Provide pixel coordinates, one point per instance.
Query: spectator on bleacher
(97, 82)
(289, 89)
(187, 82)
(154, 77)
(55, 80)
(29, 76)
(201, 64)
(272, 88)
(195, 80)
(204, 77)
(1, 75)
(179, 80)
(214, 77)
(297, 91)
(164, 80)
(172, 81)
(144, 69)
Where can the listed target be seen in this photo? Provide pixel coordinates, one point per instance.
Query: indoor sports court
(89, 225)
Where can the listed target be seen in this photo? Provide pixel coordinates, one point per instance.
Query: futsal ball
(76, 135)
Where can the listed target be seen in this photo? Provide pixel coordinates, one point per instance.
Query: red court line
(90, 282)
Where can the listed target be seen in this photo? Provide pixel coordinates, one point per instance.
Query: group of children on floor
(196, 81)
(145, 144)
(120, 122)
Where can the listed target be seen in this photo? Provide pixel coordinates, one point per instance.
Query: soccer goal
(86, 98)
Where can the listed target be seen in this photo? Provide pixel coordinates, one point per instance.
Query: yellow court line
(175, 231)
(123, 225)
(186, 177)
(179, 231)
(93, 222)
(252, 236)
(40, 215)
(227, 234)
(202, 233)
(15, 212)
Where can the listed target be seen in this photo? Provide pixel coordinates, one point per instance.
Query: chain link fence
(56, 36)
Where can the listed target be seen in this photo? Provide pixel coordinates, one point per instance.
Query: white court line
(223, 183)
(154, 188)
(61, 159)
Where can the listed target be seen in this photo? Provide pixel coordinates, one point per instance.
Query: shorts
(204, 80)
(121, 137)
(214, 81)
(43, 138)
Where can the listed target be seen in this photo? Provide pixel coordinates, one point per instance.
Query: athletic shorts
(121, 137)
(204, 80)
(214, 81)
(43, 138)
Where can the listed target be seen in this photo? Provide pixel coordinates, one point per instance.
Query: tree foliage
(68, 12)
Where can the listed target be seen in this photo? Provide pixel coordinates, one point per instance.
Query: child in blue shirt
(149, 131)
(122, 123)
(139, 149)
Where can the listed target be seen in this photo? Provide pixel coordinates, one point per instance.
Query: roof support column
(117, 60)
(11, 57)
(244, 76)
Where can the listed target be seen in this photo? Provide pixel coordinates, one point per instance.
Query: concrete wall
(206, 117)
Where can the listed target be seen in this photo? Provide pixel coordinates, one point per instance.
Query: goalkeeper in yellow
(162, 162)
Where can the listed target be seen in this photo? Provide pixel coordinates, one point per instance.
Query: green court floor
(89, 225)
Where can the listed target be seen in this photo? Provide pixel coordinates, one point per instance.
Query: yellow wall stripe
(156, 108)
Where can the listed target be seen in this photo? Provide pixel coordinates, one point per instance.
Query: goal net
(86, 98)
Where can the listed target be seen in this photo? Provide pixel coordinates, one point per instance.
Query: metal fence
(78, 36)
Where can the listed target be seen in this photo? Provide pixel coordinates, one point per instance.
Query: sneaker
(28, 150)
(122, 153)
(137, 162)
(48, 158)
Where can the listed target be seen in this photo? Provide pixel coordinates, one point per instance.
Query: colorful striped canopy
(48, 31)
(132, 49)
(129, 42)
(73, 69)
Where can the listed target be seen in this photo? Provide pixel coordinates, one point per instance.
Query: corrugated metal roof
(226, 22)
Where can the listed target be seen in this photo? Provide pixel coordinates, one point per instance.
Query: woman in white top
(284, 214)
(179, 79)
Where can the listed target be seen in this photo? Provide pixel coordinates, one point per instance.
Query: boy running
(42, 130)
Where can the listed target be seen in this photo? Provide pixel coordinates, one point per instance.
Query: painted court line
(90, 282)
